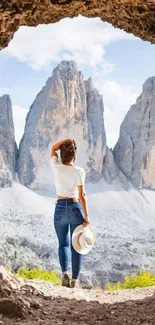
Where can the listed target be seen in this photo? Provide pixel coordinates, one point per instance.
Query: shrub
(143, 279)
(39, 274)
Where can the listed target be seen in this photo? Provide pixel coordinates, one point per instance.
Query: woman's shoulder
(79, 169)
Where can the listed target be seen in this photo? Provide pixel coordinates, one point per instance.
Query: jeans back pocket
(77, 214)
(59, 213)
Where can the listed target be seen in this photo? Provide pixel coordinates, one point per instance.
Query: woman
(71, 208)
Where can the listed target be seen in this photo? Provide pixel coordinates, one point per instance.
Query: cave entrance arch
(133, 16)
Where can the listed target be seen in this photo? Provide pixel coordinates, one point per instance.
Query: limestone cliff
(67, 106)
(8, 147)
(135, 150)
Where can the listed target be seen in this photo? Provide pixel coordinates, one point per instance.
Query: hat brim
(78, 230)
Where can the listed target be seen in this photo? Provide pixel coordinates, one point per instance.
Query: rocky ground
(72, 312)
(38, 302)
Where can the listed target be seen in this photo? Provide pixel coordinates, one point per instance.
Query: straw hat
(83, 239)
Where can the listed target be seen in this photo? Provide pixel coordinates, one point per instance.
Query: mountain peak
(66, 107)
(135, 149)
(7, 142)
(66, 67)
(149, 85)
(5, 101)
(89, 83)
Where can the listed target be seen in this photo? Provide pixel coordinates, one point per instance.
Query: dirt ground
(39, 302)
(53, 311)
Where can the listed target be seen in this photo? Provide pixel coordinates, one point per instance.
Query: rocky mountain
(8, 148)
(67, 106)
(111, 172)
(134, 152)
(123, 221)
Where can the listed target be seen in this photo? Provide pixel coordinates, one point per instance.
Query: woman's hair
(68, 151)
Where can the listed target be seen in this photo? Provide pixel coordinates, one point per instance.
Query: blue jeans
(68, 215)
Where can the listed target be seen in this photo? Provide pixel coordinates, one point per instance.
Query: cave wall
(134, 16)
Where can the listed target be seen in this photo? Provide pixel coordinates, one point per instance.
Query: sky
(118, 63)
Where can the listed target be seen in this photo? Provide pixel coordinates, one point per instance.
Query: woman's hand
(57, 146)
(85, 222)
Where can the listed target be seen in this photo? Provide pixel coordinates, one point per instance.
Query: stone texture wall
(137, 17)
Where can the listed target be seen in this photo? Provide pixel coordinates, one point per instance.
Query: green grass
(143, 279)
(38, 274)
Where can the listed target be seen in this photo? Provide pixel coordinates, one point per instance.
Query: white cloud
(80, 39)
(85, 41)
(117, 100)
(19, 116)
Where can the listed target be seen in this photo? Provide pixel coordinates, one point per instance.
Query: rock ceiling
(133, 16)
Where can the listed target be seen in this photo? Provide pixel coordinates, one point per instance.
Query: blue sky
(118, 63)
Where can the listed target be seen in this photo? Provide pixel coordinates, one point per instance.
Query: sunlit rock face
(135, 17)
(8, 148)
(66, 107)
(135, 150)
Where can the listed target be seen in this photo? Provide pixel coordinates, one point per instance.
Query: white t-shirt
(67, 178)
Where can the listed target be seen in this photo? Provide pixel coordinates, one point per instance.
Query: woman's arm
(83, 201)
(56, 147)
